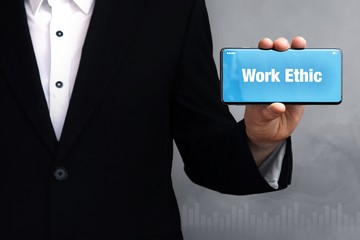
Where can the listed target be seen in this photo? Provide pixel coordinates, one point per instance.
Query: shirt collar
(35, 5)
(84, 5)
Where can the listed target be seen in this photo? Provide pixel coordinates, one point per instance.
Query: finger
(298, 43)
(281, 44)
(296, 111)
(265, 43)
(274, 111)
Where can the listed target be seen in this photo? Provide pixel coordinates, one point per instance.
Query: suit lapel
(21, 72)
(111, 28)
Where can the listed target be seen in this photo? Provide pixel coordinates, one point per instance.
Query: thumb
(274, 111)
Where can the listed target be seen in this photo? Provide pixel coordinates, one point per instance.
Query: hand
(268, 126)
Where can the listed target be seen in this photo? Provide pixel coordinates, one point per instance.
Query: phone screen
(256, 76)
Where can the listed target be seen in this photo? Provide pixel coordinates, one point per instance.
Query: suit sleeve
(213, 146)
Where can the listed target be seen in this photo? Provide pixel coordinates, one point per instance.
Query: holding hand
(267, 126)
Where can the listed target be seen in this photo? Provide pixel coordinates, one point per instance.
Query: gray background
(323, 201)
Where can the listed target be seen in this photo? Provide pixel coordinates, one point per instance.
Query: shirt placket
(60, 67)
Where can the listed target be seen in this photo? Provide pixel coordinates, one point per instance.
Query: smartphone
(256, 76)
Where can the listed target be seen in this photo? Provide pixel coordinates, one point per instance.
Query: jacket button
(61, 174)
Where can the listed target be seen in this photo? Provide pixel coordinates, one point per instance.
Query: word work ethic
(292, 75)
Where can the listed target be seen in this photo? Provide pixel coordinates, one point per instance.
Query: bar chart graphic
(287, 221)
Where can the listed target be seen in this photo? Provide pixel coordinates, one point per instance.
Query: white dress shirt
(58, 29)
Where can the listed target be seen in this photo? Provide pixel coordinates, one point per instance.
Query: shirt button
(59, 84)
(61, 174)
(59, 33)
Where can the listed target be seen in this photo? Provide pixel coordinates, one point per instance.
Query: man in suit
(92, 95)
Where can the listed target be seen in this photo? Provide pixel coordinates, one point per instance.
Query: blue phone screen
(311, 76)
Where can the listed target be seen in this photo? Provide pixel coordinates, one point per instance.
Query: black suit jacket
(146, 78)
